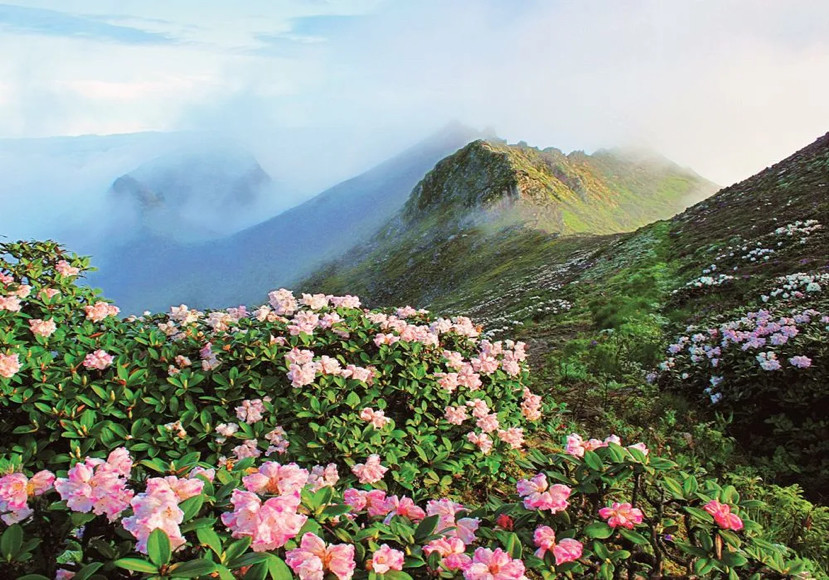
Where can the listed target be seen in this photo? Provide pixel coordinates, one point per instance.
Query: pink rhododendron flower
(65, 269)
(10, 303)
(315, 301)
(446, 509)
(452, 551)
(269, 525)
(9, 365)
(226, 430)
(299, 356)
(538, 495)
(801, 362)
(347, 301)
(482, 441)
(465, 529)
(494, 565)
(277, 438)
(385, 559)
(567, 550)
(250, 411)
(99, 359)
(248, 448)
(208, 474)
(621, 515)
(467, 377)
(488, 423)
(377, 419)
(545, 540)
(447, 381)
(98, 486)
(479, 408)
(323, 476)
(484, 364)
(304, 322)
(455, 415)
(514, 437)
(454, 360)
(405, 507)
(301, 375)
(100, 310)
(157, 508)
(63, 574)
(723, 516)
(575, 445)
(330, 366)
(355, 498)
(531, 405)
(364, 375)
(15, 491)
(313, 558)
(283, 302)
(275, 479)
(389, 339)
(371, 471)
(44, 328)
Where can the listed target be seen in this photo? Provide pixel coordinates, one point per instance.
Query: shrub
(313, 436)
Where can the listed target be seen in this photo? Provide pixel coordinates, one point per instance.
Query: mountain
(156, 271)
(725, 306)
(193, 195)
(459, 216)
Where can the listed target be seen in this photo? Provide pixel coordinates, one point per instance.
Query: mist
(319, 92)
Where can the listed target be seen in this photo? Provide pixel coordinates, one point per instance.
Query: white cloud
(726, 87)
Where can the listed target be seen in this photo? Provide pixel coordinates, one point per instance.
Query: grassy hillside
(473, 213)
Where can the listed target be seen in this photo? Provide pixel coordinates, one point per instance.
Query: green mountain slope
(478, 204)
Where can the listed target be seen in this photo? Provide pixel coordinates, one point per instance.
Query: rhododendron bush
(767, 369)
(312, 438)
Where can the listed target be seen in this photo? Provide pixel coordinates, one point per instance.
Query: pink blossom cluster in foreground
(268, 511)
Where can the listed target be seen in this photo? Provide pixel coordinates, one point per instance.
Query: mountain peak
(552, 190)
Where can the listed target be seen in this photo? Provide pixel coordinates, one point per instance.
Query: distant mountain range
(156, 270)
(194, 196)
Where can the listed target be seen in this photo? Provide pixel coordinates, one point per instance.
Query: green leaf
(236, 549)
(593, 461)
(733, 560)
(352, 400)
(598, 530)
(278, 569)
(210, 538)
(191, 506)
(32, 577)
(426, 527)
(136, 565)
(192, 569)
(673, 486)
(10, 542)
(87, 571)
(158, 547)
(632, 536)
(249, 559)
(396, 575)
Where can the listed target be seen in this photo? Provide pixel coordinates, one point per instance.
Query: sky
(725, 87)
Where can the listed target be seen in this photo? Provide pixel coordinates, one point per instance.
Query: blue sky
(724, 86)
